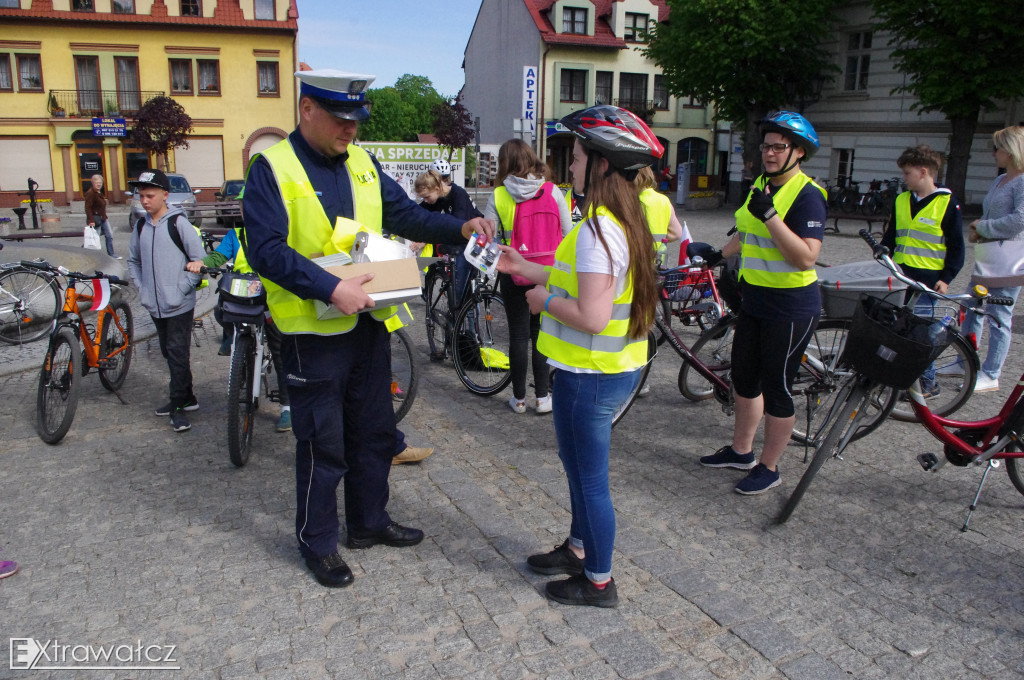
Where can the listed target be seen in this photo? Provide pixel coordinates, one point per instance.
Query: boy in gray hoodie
(156, 264)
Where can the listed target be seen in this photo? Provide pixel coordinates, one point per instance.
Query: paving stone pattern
(127, 531)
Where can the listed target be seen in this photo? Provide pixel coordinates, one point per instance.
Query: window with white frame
(574, 20)
(858, 61)
(636, 27)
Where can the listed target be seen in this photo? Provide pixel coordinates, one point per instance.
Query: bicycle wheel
(1013, 468)
(652, 350)
(116, 345)
(870, 205)
(849, 400)
(437, 316)
(956, 370)
(481, 344)
(29, 301)
(849, 200)
(241, 405)
(59, 383)
(404, 377)
(819, 379)
(714, 350)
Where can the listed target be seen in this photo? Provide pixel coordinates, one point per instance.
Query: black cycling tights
(766, 354)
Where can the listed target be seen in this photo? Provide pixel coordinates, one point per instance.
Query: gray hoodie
(157, 267)
(522, 189)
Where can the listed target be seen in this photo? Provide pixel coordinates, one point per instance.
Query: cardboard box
(395, 282)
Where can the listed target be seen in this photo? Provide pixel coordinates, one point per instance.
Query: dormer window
(574, 20)
(636, 28)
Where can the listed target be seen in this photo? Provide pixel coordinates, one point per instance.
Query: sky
(389, 38)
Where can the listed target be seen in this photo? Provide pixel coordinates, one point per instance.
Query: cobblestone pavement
(128, 532)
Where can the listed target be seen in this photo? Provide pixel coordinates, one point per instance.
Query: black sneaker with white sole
(179, 423)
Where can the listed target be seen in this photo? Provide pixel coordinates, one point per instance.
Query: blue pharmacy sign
(109, 127)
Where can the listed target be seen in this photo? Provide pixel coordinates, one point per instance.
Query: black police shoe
(394, 535)
(330, 570)
(578, 590)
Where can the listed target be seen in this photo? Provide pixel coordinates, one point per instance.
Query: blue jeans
(999, 337)
(108, 235)
(583, 405)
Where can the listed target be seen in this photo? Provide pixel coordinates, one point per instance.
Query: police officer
(299, 194)
(781, 226)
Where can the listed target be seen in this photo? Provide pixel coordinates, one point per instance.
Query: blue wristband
(548, 302)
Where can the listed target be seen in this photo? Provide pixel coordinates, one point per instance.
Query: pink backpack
(537, 229)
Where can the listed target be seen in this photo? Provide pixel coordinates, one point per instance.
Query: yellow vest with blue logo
(920, 242)
(761, 262)
(611, 350)
(658, 210)
(310, 230)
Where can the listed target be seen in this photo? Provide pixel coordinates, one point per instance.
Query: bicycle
(475, 335)
(106, 346)
(29, 302)
(883, 348)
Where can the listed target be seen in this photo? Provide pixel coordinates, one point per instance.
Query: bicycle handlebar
(214, 271)
(45, 266)
(881, 255)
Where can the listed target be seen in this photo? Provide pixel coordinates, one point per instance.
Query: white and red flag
(100, 294)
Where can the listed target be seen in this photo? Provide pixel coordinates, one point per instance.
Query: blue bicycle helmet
(795, 127)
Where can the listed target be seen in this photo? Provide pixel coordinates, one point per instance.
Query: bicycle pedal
(928, 461)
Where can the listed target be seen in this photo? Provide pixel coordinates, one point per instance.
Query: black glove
(760, 205)
(713, 258)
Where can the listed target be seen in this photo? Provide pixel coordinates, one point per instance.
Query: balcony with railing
(644, 108)
(93, 103)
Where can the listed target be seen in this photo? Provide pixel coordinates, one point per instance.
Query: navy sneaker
(192, 404)
(726, 457)
(758, 481)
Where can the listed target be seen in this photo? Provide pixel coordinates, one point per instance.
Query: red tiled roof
(227, 15)
(603, 36)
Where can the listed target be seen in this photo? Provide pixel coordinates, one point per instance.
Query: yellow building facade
(68, 65)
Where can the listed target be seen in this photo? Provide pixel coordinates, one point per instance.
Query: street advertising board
(404, 162)
(109, 127)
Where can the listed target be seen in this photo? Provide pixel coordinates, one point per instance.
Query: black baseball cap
(151, 178)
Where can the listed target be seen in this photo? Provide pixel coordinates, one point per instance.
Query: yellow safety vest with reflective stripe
(658, 210)
(241, 264)
(310, 230)
(761, 262)
(611, 350)
(920, 242)
(505, 206)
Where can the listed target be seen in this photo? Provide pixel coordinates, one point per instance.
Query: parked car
(229, 191)
(181, 194)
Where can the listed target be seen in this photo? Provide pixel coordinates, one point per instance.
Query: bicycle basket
(241, 298)
(890, 345)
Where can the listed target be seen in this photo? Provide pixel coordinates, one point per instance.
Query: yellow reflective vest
(310, 231)
(761, 262)
(611, 350)
(920, 242)
(658, 210)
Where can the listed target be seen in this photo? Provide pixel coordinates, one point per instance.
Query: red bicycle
(882, 350)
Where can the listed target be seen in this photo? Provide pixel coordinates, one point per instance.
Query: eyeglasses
(777, 148)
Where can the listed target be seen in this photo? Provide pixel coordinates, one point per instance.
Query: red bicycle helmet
(617, 134)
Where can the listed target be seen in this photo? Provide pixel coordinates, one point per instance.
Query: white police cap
(343, 94)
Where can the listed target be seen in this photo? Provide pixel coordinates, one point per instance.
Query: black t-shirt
(806, 218)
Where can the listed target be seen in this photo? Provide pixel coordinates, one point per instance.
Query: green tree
(161, 125)
(739, 55)
(958, 58)
(401, 112)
